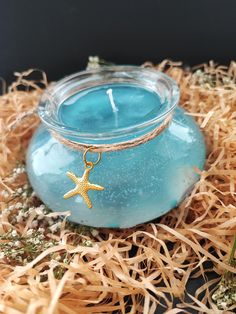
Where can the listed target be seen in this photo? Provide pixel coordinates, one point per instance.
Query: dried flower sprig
(95, 62)
(225, 295)
(208, 79)
(18, 249)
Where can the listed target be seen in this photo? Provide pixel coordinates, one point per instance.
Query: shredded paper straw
(122, 271)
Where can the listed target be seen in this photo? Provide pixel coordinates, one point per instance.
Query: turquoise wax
(108, 107)
(140, 183)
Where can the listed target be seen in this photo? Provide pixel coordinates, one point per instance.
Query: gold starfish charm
(83, 185)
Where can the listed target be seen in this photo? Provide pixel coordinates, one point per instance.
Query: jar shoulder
(182, 126)
(160, 171)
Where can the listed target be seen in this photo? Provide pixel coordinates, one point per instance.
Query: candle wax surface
(108, 107)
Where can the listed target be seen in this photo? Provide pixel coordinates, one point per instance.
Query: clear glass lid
(109, 102)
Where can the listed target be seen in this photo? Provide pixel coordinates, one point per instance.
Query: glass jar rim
(57, 93)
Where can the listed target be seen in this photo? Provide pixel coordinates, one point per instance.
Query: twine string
(100, 148)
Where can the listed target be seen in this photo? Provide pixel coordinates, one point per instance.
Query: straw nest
(50, 266)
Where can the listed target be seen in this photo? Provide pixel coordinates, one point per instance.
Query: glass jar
(141, 182)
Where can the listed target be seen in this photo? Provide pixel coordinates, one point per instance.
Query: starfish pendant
(83, 186)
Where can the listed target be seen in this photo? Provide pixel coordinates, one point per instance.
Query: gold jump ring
(89, 149)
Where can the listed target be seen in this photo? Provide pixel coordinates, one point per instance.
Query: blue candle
(112, 106)
(109, 107)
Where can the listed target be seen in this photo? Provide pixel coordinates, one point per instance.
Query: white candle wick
(113, 105)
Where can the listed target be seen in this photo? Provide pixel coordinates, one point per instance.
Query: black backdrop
(58, 35)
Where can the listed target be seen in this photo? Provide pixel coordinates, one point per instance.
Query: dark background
(58, 35)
